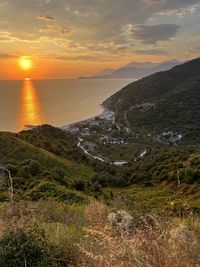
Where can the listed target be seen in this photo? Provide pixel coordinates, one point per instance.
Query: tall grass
(49, 233)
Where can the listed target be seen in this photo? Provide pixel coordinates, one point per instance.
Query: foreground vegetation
(70, 210)
(55, 234)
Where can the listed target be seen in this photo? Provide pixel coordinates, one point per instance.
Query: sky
(72, 38)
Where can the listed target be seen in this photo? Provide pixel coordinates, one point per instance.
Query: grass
(157, 198)
(121, 152)
(49, 233)
(38, 173)
(174, 245)
(23, 150)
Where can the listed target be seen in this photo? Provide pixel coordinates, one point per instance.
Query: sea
(55, 102)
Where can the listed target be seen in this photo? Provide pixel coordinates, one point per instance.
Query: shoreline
(105, 114)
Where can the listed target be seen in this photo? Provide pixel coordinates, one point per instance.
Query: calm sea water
(56, 102)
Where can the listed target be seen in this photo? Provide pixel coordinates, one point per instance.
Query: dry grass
(83, 237)
(96, 213)
(168, 243)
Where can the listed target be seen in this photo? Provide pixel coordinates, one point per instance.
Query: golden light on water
(31, 110)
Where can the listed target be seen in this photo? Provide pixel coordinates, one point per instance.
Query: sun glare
(25, 63)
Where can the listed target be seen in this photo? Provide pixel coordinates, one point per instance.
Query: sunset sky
(71, 38)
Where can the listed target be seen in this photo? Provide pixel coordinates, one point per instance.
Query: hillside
(70, 209)
(165, 102)
(38, 173)
(64, 201)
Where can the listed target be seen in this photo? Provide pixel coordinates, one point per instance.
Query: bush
(30, 168)
(35, 167)
(24, 171)
(24, 244)
(79, 185)
(190, 176)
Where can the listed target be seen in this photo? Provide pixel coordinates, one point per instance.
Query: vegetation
(71, 209)
(55, 234)
(163, 102)
(145, 210)
(38, 173)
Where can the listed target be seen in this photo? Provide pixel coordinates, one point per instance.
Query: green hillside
(45, 162)
(38, 173)
(163, 102)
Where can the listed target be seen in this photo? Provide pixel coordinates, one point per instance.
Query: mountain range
(134, 70)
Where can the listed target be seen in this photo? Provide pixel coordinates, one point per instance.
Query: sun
(25, 63)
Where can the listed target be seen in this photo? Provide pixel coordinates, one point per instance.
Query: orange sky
(68, 39)
(56, 69)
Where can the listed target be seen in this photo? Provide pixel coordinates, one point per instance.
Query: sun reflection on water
(30, 109)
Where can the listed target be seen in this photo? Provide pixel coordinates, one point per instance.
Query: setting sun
(25, 63)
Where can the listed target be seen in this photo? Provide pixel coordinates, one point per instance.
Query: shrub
(35, 167)
(79, 185)
(24, 171)
(24, 245)
(30, 168)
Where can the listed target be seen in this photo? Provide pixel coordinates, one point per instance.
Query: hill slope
(38, 173)
(163, 102)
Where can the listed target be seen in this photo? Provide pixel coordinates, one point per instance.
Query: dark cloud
(154, 33)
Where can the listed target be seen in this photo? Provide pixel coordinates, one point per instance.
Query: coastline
(106, 114)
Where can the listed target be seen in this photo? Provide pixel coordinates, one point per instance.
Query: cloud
(45, 18)
(5, 35)
(155, 52)
(171, 4)
(110, 27)
(75, 57)
(153, 2)
(6, 56)
(154, 33)
(180, 12)
(65, 29)
(195, 49)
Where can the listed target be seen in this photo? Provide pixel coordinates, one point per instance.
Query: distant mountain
(134, 70)
(135, 64)
(163, 102)
(104, 72)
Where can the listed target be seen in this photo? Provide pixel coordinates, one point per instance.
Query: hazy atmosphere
(66, 39)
